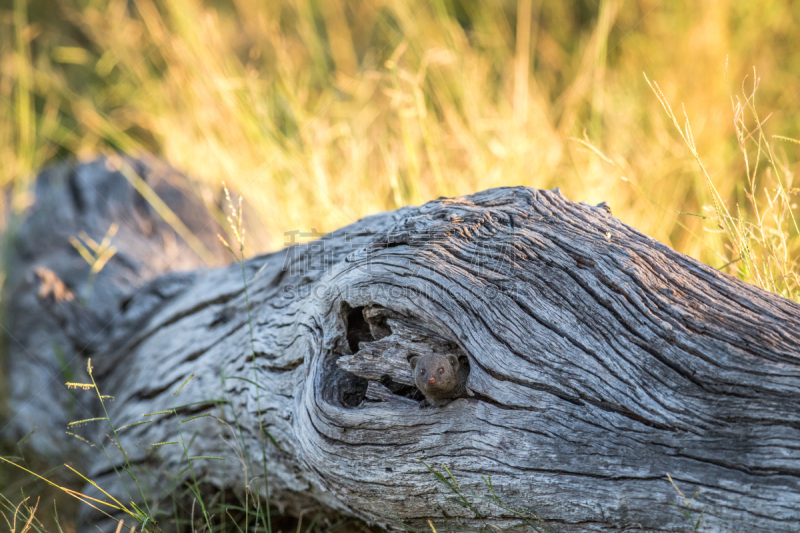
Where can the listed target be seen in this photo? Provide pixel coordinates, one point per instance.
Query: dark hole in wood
(358, 329)
(401, 389)
(354, 393)
(341, 387)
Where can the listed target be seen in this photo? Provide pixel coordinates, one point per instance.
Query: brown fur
(449, 375)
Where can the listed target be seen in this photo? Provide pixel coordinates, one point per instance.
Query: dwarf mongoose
(440, 377)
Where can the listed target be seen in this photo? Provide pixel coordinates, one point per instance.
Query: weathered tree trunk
(600, 360)
(90, 198)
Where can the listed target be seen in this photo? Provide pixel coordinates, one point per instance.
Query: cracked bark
(601, 361)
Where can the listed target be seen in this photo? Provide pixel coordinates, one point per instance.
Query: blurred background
(319, 112)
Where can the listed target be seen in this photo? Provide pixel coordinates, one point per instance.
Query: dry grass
(322, 112)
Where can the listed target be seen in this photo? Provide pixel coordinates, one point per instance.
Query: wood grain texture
(600, 361)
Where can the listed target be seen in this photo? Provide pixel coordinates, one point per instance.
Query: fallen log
(607, 371)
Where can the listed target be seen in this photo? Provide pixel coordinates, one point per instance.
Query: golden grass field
(322, 112)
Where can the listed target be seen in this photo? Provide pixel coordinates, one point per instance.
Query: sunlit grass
(320, 113)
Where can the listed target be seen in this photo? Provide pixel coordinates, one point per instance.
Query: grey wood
(600, 361)
(43, 349)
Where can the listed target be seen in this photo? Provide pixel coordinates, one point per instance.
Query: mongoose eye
(441, 370)
(422, 372)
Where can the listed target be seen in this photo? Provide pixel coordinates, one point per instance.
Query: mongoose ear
(413, 362)
(453, 360)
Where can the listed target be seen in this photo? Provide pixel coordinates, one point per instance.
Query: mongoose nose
(432, 380)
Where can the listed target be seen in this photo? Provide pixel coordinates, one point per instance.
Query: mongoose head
(435, 374)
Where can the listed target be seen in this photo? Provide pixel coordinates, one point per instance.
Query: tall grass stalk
(238, 230)
(762, 238)
(196, 487)
(118, 443)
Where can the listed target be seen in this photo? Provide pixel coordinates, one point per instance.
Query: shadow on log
(599, 360)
